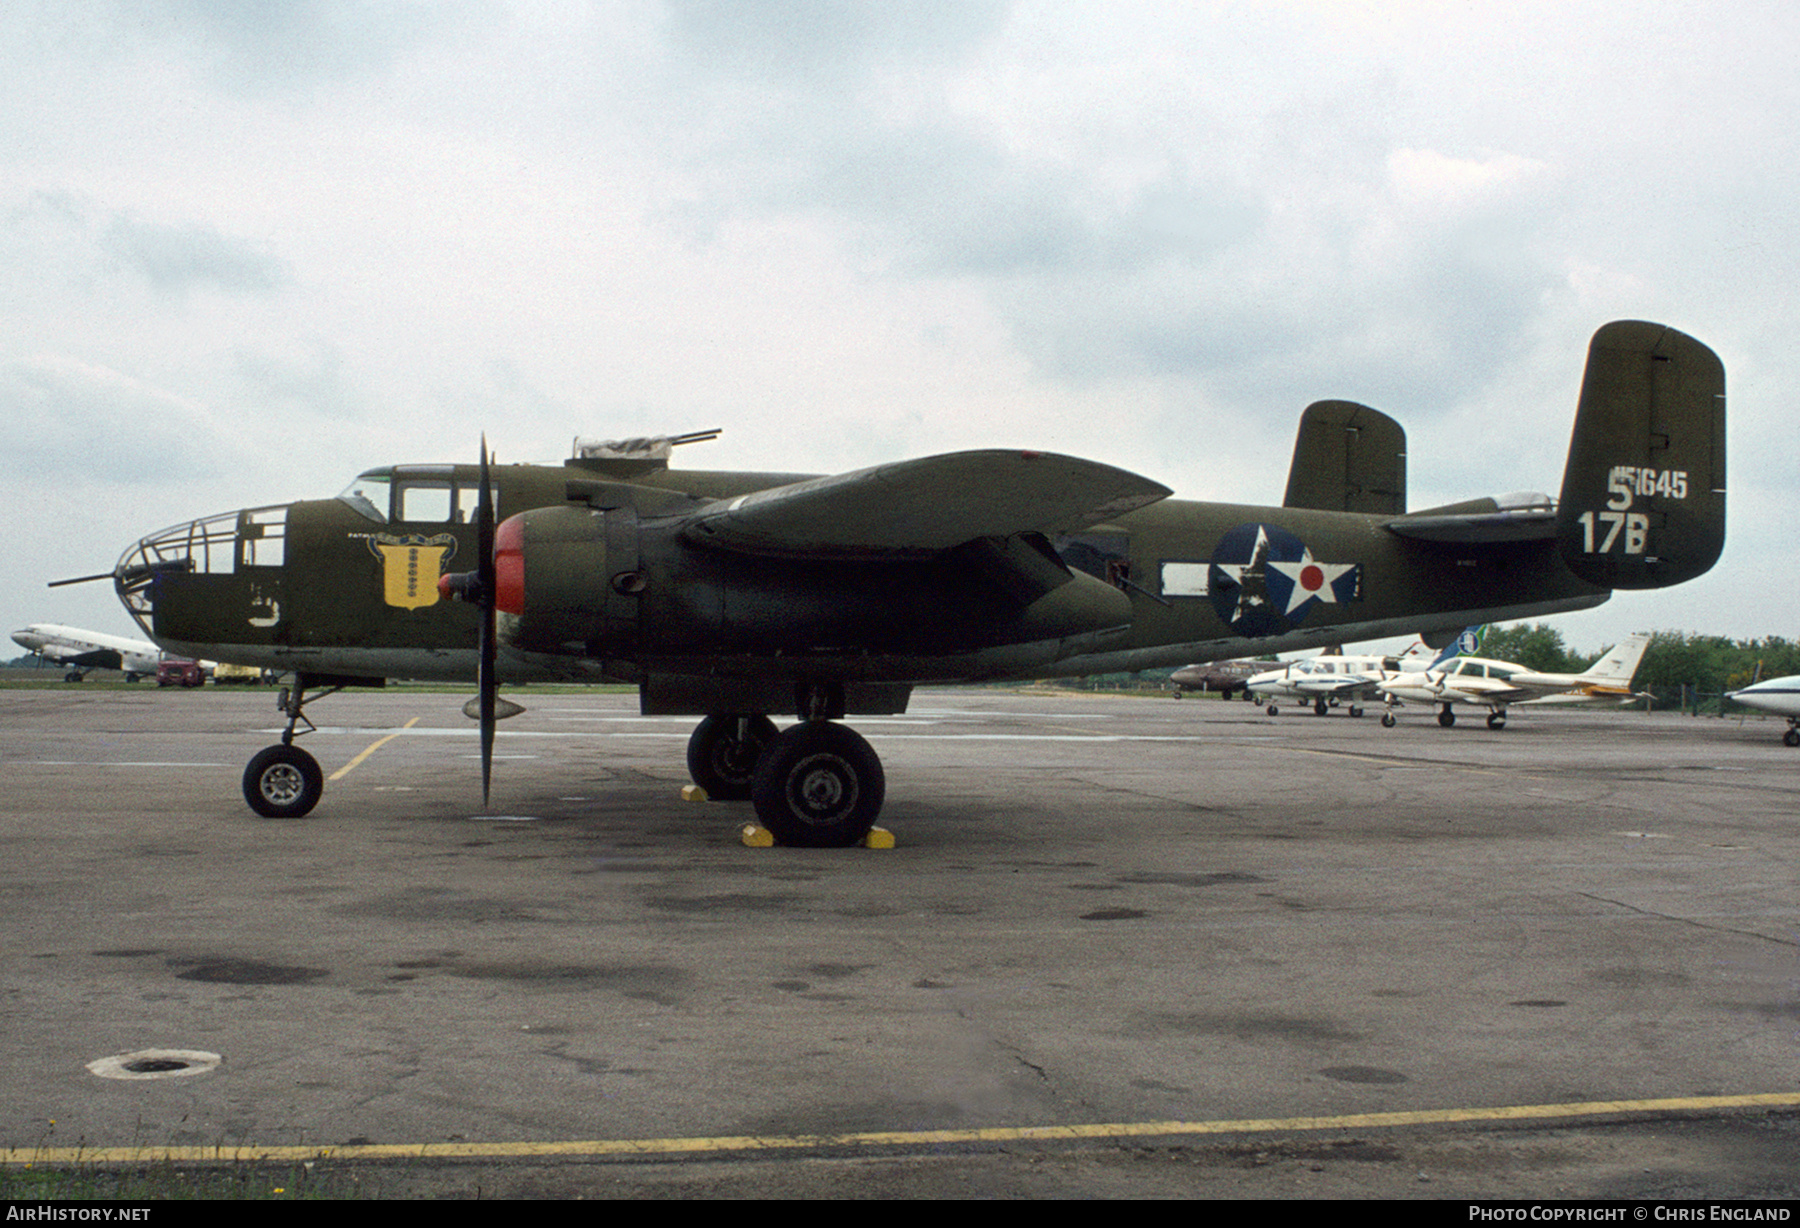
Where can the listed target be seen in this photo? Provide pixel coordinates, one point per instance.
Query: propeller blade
(484, 570)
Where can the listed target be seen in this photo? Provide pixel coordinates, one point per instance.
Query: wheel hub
(282, 784)
(824, 788)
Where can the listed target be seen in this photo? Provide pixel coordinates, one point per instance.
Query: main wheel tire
(1446, 718)
(1496, 720)
(1791, 737)
(1320, 707)
(722, 762)
(283, 782)
(819, 785)
(1272, 710)
(1388, 720)
(1355, 710)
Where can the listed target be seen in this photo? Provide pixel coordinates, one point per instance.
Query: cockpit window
(368, 494)
(417, 494)
(427, 501)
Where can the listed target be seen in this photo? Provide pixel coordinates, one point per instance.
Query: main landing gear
(722, 754)
(283, 781)
(817, 784)
(1792, 736)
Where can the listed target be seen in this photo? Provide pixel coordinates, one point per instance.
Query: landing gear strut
(283, 781)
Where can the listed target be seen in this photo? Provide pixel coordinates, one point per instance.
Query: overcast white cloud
(247, 249)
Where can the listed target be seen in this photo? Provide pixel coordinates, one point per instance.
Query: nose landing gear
(283, 781)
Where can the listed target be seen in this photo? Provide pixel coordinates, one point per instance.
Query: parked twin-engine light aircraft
(1225, 677)
(1334, 678)
(736, 596)
(1779, 695)
(83, 650)
(1494, 685)
(1322, 681)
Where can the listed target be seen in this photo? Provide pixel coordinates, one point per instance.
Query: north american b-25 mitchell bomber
(737, 597)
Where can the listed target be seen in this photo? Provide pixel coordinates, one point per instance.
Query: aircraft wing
(917, 508)
(1351, 685)
(91, 658)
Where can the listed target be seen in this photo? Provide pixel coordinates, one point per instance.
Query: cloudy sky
(248, 249)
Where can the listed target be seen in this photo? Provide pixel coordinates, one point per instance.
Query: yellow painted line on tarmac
(372, 747)
(598, 1148)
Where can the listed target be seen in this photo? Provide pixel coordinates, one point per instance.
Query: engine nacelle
(575, 580)
(567, 580)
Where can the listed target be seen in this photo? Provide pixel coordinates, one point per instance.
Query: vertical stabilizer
(1621, 663)
(1643, 495)
(1348, 458)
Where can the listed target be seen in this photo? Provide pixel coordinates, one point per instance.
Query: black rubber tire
(1446, 718)
(1791, 737)
(1496, 720)
(1388, 720)
(819, 785)
(721, 765)
(283, 782)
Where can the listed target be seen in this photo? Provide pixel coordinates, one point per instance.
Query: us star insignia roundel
(1263, 580)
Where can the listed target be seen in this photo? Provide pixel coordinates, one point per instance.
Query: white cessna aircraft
(1780, 695)
(85, 650)
(1333, 678)
(1495, 684)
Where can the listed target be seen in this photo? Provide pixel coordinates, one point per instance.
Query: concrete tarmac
(1102, 912)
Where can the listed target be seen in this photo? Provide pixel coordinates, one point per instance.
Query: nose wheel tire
(1387, 720)
(283, 782)
(819, 785)
(723, 753)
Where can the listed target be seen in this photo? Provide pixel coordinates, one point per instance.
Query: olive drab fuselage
(685, 580)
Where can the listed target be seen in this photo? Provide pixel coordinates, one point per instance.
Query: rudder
(1643, 494)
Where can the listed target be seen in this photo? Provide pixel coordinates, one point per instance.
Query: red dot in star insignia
(1311, 578)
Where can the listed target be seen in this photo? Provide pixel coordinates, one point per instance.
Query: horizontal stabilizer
(917, 508)
(1510, 519)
